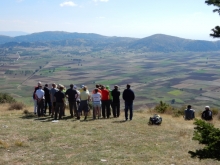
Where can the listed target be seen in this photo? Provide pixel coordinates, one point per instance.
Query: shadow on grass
(121, 121)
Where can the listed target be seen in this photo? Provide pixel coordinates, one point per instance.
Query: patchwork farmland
(177, 78)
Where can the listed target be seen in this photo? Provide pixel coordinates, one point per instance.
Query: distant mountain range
(12, 33)
(154, 43)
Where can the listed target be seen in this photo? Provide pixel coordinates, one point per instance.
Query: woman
(96, 100)
(84, 97)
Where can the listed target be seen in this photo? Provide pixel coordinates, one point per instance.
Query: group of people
(190, 113)
(102, 98)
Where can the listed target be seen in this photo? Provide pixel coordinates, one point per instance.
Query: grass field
(28, 140)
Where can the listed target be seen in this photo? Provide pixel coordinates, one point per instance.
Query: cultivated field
(24, 139)
(183, 78)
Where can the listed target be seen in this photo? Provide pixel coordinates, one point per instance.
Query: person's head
(207, 107)
(97, 85)
(82, 86)
(96, 90)
(75, 87)
(46, 85)
(40, 86)
(54, 85)
(71, 86)
(107, 87)
(85, 88)
(189, 106)
(39, 83)
(102, 87)
(116, 87)
(128, 86)
(61, 87)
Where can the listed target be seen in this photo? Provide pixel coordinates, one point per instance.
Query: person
(128, 96)
(47, 99)
(110, 98)
(53, 90)
(71, 94)
(116, 101)
(77, 98)
(189, 113)
(59, 98)
(96, 100)
(105, 102)
(84, 99)
(39, 95)
(207, 114)
(34, 97)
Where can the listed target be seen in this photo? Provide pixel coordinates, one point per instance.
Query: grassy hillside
(28, 140)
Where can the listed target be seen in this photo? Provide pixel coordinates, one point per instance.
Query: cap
(39, 83)
(207, 107)
(82, 86)
(75, 87)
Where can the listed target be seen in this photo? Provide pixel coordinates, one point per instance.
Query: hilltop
(24, 139)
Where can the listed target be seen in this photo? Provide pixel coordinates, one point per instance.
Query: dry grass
(16, 106)
(28, 140)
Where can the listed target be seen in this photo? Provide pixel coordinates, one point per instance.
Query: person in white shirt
(39, 95)
(96, 100)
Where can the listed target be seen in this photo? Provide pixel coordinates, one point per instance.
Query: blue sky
(191, 19)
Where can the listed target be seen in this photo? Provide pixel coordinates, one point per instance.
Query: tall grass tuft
(16, 106)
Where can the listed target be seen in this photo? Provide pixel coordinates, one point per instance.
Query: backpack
(155, 120)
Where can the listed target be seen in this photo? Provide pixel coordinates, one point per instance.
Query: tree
(216, 30)
(209, 136)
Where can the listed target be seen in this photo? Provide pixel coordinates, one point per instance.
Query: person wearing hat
(84, 99)
(189, 113)
(128, 97)
(39, 95)
(116, 101)
(207, 114)
(60, 101)
(78, 97)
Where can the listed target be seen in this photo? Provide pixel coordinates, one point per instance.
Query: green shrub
(6, 98)
(215, 111)
(209, 136)
(161, 107)
(16, 106)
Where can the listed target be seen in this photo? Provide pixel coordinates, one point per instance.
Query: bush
(209, 136)
(16, 106)
(179, 112)
(161, 107)
(6, 98)
(215, 111)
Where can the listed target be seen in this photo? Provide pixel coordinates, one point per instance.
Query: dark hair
(46, 85)
(96, 90)
(128, 86)
(71, 85)
(189, 106)
(116, 86)
(97, 85)
(85, 88)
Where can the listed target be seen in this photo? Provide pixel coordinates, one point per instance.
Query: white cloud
(100, 0)
(68, 3)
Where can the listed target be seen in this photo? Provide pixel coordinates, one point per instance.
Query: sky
(190, 19)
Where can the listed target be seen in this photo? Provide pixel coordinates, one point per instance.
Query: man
(39, 95)
(105, 102)
(34, 97)
(128, 97)
(53, 90)
(71, 94)
(110, 98)
(189, 113)
(59, 98)
(116, 101)
(47, 99)
(207, 114)
(78, 97)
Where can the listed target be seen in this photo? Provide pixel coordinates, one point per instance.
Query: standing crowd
(104, 101)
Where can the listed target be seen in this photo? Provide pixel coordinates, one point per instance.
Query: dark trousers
(47, 102)
(128, 105)
(72, 106)
(105, 108)
(40, 107)
(59, 109)
(116, 109)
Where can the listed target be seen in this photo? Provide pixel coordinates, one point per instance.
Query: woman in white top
(96, 100)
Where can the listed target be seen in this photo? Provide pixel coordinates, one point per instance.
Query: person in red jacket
(105, 102)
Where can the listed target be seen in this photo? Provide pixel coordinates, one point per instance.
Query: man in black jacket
(47, 99)
(116, 101)
(128, 97)
(72, 95)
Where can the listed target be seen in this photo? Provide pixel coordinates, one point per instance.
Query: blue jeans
(128, 105)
